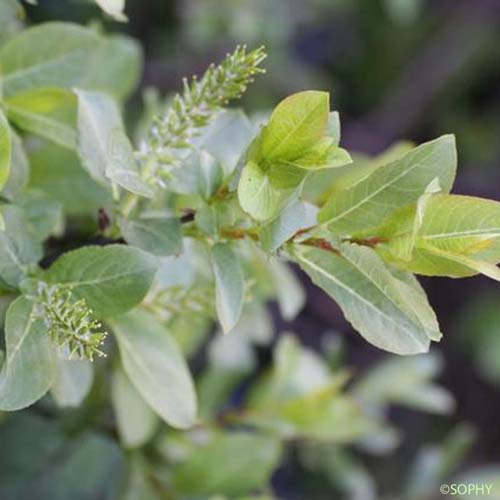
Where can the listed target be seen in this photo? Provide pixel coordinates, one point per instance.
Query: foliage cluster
(198, 218)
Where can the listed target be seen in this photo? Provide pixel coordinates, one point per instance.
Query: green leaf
(226, 137)
(30, 367)
(114, 8)
(43, 215)
(112, 279)
(155, 366)
(385, 310)
(159, 236)
(135, 419)
(19, 169)
(457, 236)
(5, 150)
(301, 398)
(231, 464)
(210, 175)
(296, 216)
(103, 145)
(229, 285)
(58, 173)
(122, 58)
(51, 54)
(259, 197)
(289, 292)
(368, 202)
(66, 55)
(295, 125)
(46, 112)
(19, 250)
(140, 485)
(333, 127)
(72, 382)
(405, 381)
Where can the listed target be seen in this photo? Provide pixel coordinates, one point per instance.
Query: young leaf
(135, 419)
(256, 195)
(381, 307)
(112, 279)
(155, 366)
(72, 382)
(159, 236)
(367, 203)
(229, 285)
(46, 112)
(30, 365)
(457, 236)
(295, 125)
(18, 248)
(5, 150)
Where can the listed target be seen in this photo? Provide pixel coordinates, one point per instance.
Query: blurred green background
(396, 69)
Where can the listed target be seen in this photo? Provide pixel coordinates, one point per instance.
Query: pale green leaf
(135, 419)
(155, 366)
(112, 279)
(46, 112)
(5, 150)
(50, 54)
(122, 58)
(72, 382)
(229, 285)
(210, 175)
(296, 216)
(289, 292)
(333, 127)
(367, 203)
(226, 137)
(58, 173)
(377, 304)
(263, 195)
(457, 236)
(67, 55)
(231, 464)
(406, 381)
(256, 195)
(297, 123)
(30, 365)
(19, 169)
(19, 250)
(43, 215)
(159, 236)
(103, 145)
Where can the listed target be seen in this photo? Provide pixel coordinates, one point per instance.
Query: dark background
(396, 69)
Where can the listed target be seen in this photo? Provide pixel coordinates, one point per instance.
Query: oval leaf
(155, 366)
(385, 310)
(229, 285)
(30, 365)
(112, 279)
